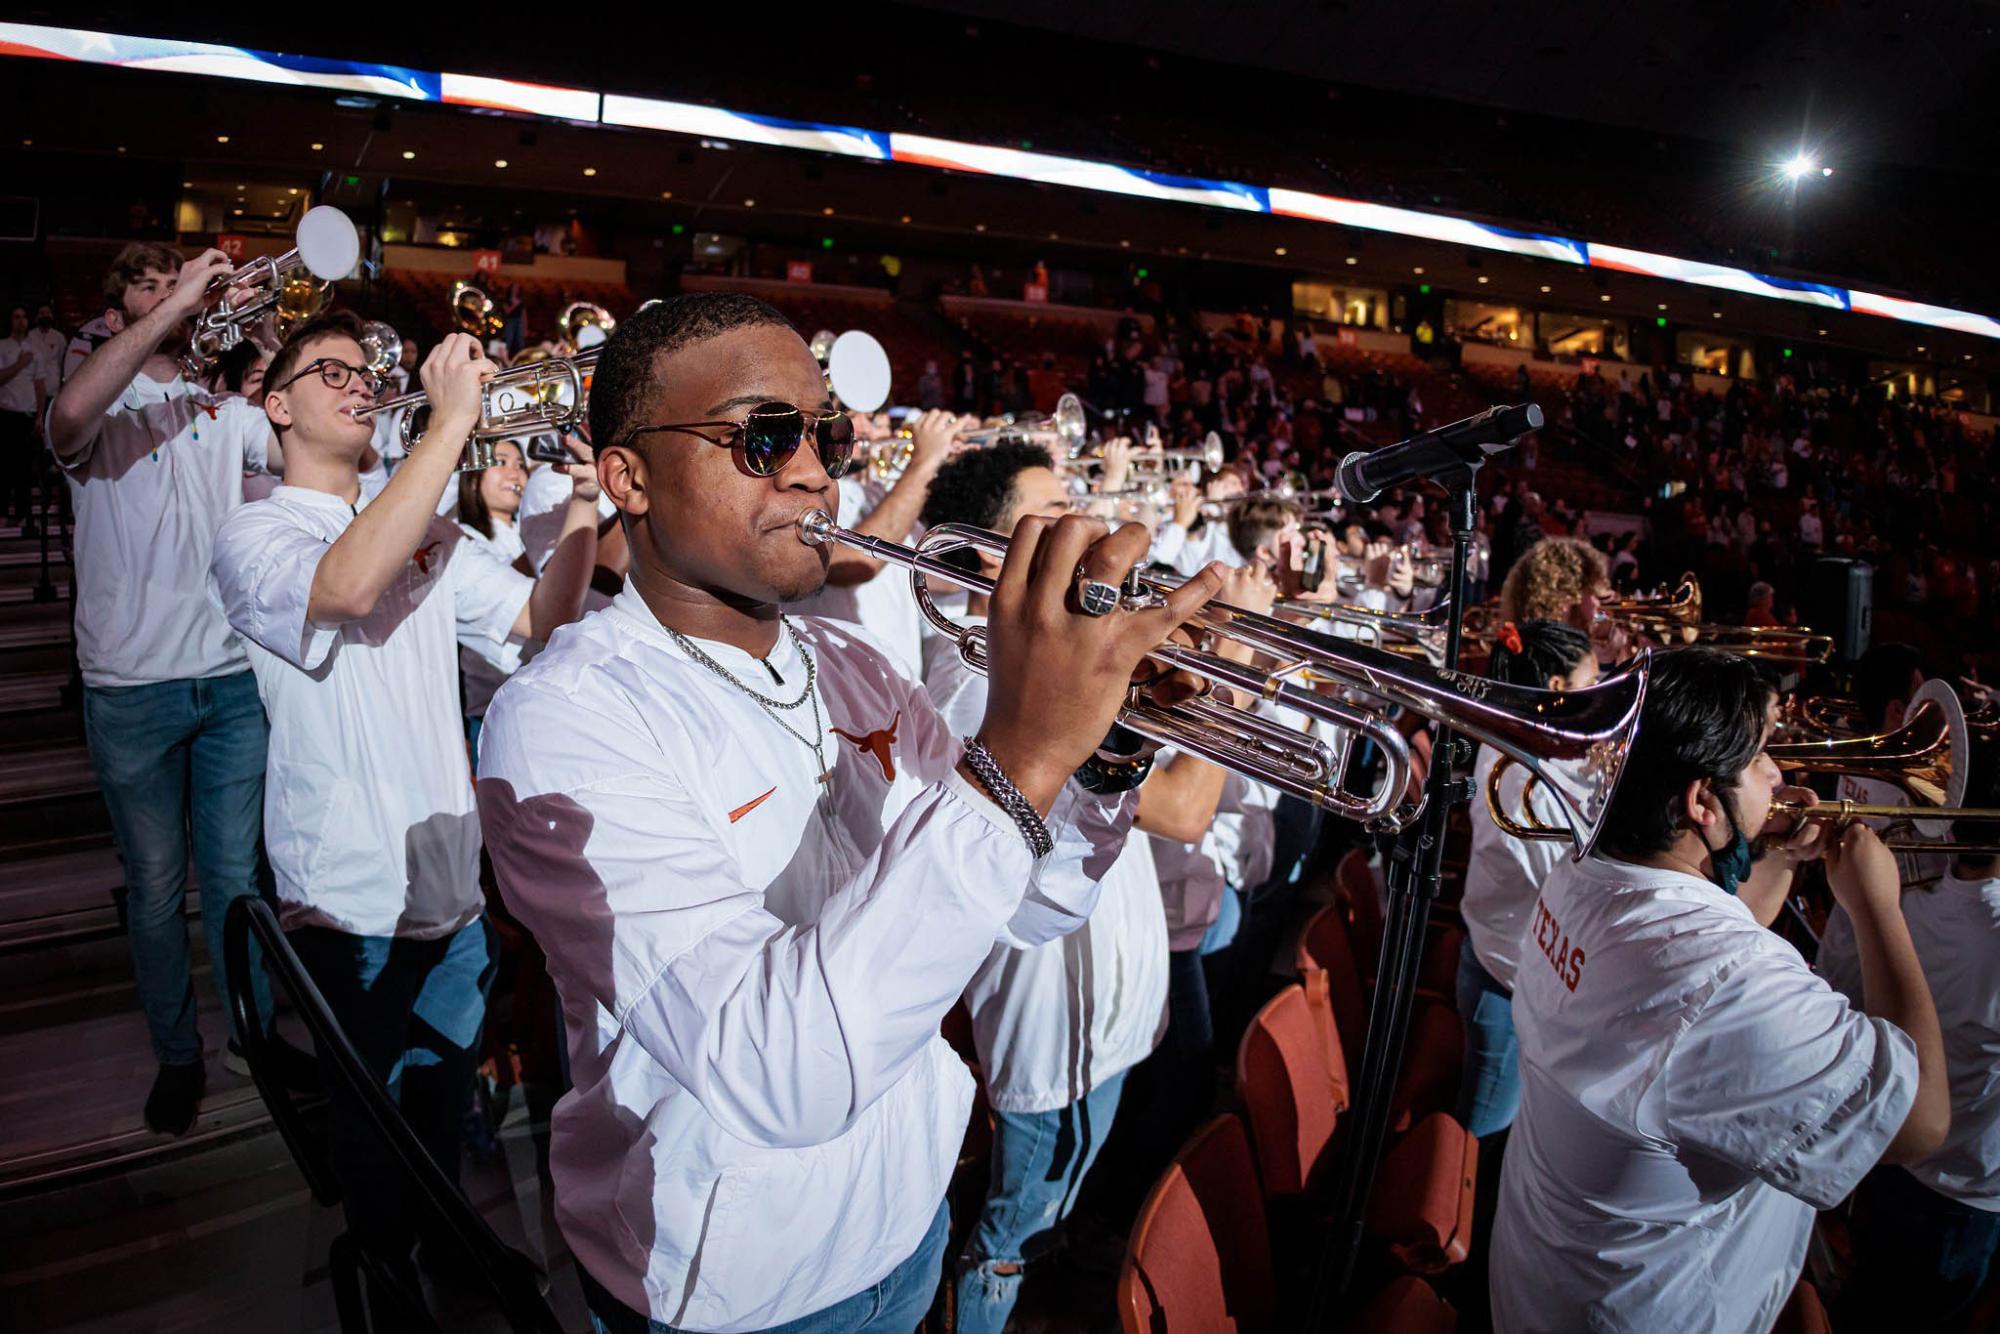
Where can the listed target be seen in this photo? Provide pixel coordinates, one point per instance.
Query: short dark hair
(1253, 520)
(1882, 677)
(977, 487)
(232, 366)
(623, 380)
(1548, 648)
(326, 324)
(134, 262)
(1703, 717)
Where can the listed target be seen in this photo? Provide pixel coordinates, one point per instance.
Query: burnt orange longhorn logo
(877, 743)
(421, 558)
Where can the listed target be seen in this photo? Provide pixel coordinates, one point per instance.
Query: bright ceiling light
(1799, 166)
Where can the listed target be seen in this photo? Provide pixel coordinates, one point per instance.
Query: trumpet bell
(584, 325)
(382, 347)
(472, 310)
(857, 370)
(328, 244)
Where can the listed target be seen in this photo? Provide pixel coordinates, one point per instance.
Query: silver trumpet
(1575, 742)
(295, 284)
(529, 399)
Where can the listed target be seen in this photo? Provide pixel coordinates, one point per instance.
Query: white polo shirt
(764, 1116)
(1504, 874)
(368, 809)
(1956, 929)
(883, 606)
(157, 478)
(1690, 1094)
(1053, 1022)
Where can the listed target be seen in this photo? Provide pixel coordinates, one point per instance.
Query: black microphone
(1362, 477)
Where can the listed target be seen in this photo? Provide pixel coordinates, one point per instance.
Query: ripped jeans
(1039, 1161)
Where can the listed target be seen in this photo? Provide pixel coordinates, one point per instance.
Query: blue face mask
(1732, 863)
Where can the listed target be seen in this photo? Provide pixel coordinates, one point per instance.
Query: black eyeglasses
(334, 374)
(765, 440)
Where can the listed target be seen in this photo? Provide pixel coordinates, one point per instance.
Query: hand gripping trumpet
(1575, 741)
(539, 396)
(294, 284)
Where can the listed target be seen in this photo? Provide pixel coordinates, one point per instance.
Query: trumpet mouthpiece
(815, 528)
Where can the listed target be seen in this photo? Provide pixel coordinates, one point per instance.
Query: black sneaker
(170, 1107)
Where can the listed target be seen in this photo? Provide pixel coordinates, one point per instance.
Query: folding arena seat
(1405, 1305)
(1436, 1046)
(1199, 1257)
(1293, 1088)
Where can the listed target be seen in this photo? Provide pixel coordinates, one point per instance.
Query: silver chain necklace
(766, 703)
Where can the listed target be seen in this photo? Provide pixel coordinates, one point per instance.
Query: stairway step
(48, 791)
(62, 896)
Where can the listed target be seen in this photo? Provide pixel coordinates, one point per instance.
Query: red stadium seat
(1406, 1305)
(1291, 1094)
(1423, 1199)
(1199, 1257)
(1435, 1049)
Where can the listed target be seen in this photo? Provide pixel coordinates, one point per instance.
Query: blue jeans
(893, 1306)
(1489, 1089)
(413, 1010)
(181, 761)
(1919, 1257)
(1039, 1161)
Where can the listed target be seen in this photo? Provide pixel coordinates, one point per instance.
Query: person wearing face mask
(176, 733)
(47, 341)
(1690, 1091)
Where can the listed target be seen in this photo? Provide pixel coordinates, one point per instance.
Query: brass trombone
(1924, 757)
(295, 285)
(1674, 618)
(530, 399)
(1576, 741)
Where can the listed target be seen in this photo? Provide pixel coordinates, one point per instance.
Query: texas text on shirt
(1691, 1093)
(1053, 1022)
(369, 820)
(161, 472)
(1503, 873)
(882, 605)
(753, 965)
(1956, 929)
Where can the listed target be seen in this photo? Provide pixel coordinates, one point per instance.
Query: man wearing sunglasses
(176, 734)
(760, 864)
(354, 605)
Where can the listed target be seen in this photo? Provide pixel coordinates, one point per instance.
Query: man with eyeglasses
(760, 863)
(354, 604)
(176, 734)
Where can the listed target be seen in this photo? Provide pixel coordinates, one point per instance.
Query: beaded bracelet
(1008, 797)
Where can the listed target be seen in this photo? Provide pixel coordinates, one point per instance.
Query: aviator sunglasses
(765, 440)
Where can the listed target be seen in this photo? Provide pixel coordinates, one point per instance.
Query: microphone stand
(1413, 878)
